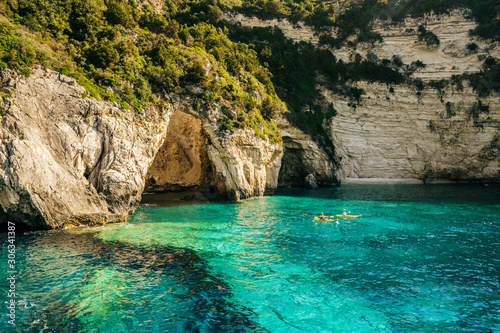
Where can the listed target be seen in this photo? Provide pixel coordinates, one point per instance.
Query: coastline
(382, 181)
(395, 181)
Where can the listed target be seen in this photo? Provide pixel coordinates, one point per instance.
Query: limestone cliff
(450, 57)
(410, 131)
(406, 132)
(437, 134)
(67, 159)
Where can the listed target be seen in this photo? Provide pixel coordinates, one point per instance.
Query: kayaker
(322, 217)
(344, 213)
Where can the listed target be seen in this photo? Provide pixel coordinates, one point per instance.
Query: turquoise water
(420, 259)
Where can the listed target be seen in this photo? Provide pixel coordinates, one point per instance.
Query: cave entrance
(182, 166)
(293, 171)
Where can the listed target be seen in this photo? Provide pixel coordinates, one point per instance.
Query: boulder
(310, 181)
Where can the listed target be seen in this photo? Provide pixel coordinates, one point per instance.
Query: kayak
(317, 218)
(348, 216)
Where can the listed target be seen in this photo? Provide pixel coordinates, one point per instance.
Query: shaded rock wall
(303, 157)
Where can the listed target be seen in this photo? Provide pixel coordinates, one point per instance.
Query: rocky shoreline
(67, 159)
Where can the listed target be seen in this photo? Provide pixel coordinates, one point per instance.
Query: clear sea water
(422, 258)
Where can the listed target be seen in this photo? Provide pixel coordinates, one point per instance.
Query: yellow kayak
(317, 218)
(348, 216)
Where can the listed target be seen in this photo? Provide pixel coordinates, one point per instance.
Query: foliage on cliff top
(134, 56)
(356, 19)
(354, 16)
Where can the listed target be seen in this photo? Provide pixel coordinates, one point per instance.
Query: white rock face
(245, 165)
(449, 58)
(408, 135)
(66, 159)
(403, 135)
(421, 135)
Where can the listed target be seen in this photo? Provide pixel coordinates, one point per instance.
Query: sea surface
(421, 258)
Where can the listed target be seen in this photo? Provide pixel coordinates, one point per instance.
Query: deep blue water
(422, 258)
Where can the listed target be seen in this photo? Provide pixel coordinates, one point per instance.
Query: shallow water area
(421, 258)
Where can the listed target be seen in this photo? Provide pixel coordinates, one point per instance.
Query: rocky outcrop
(302, 156)
(245, 165)
(67, 159)
(195, 155)
(310, 181)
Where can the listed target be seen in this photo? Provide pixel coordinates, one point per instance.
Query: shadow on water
(205, 299)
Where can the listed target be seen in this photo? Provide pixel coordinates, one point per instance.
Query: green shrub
(472, 47)
(17, 51)
(120, 12)
(104, 54)
(226, 123)
(427, 36)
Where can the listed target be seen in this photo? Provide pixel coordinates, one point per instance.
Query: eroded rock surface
(451, 56)
(66, 159)
(302, 156)
(437, 134)
(398, 131)
(197, 155)
(245, 165)
(182, 162)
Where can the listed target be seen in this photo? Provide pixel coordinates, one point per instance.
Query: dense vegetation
(143, 55)
(354, 16)
(146, 54)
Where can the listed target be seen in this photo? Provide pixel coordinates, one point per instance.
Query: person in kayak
(322, 217)
(344, 213)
